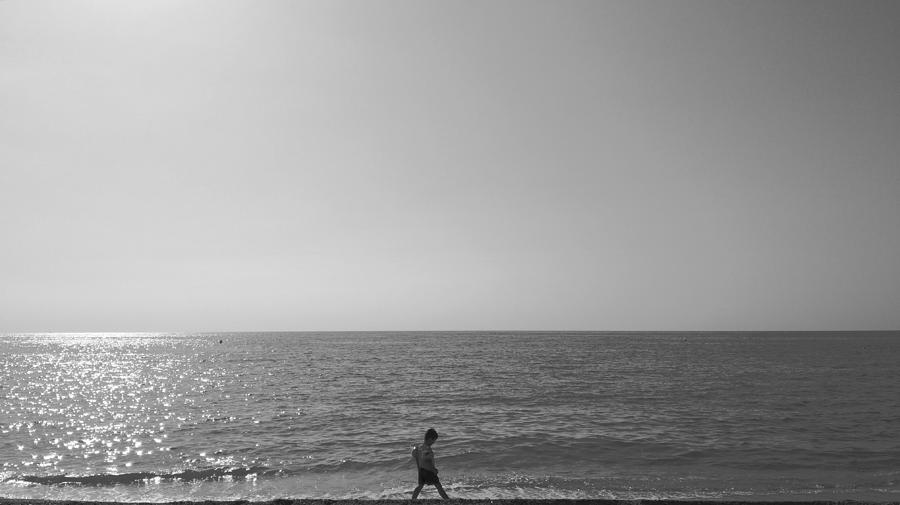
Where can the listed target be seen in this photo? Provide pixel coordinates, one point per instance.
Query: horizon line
(211, 332)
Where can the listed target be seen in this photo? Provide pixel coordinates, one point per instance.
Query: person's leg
(440, 489)
(417, 490)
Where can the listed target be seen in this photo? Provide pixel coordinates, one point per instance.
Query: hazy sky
(606, 165)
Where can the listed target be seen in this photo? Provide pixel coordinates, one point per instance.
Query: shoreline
(462, 501)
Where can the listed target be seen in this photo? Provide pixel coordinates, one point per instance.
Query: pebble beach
(458, 501)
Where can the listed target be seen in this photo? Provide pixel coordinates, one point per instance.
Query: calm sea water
(161, 417)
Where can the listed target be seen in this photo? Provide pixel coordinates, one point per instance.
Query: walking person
(424, 456)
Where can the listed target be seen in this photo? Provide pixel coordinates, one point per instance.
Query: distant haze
(332, 165)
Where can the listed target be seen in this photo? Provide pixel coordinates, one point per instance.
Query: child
(424, 457)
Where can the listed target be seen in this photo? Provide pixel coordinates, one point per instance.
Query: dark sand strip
(5, 501)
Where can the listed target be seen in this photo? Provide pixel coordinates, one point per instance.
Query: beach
(461, 501)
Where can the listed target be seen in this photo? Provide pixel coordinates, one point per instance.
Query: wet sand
(4, 501)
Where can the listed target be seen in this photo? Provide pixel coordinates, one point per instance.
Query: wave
(263, 483)
(210, 474)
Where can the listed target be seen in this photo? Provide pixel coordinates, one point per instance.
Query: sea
(156, 417)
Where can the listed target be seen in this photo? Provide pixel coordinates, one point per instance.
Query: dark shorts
(428, 477)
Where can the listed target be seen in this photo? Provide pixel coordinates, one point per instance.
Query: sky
(226, 165)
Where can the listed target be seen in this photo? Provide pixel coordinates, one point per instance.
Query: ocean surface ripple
(162, 417)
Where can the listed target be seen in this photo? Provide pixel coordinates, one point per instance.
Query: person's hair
(431, 433)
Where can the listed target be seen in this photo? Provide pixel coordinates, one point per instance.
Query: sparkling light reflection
(84, 404)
